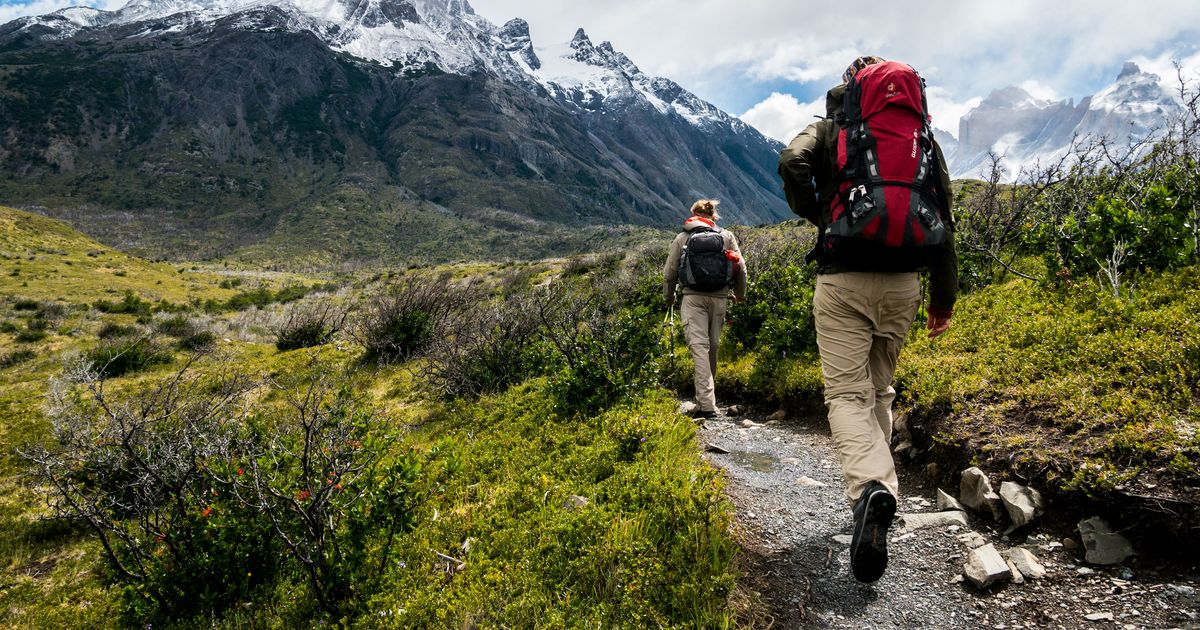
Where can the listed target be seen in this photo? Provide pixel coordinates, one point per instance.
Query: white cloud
(969, 48)
(1164, 66)
(1041, 91)
(946, 111)
(782, 116)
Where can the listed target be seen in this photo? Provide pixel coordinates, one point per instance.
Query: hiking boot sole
(868, 549)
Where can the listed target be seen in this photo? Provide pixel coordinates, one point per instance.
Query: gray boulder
(1026, 563)
(1023, 503)
(986, 567)
(933, 519)
(947, 502)
(975, 492)
(1101, 544)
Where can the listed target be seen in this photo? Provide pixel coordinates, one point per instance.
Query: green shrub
(494, 348)
(112, 330)
(130, 304)
(197, 341)
(25, 305)
(309, 325)
(776, 317)
(178, 325)
(400, 322)
(16, 357)
(10, 327)
(117, 357)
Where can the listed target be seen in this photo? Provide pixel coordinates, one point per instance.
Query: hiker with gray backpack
(873, 180)
(707, 263)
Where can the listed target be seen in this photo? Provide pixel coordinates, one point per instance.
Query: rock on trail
(793, 524)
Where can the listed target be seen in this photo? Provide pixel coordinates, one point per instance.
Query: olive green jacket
(811, 158)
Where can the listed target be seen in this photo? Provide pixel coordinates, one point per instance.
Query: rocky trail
(793, 524)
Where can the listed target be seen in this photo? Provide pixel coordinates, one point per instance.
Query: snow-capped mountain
(1026, 130)
(260, 108)
(408, 34)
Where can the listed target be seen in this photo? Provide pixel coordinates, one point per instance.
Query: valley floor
(786, 486)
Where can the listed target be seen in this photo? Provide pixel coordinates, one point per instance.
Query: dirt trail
(794, 524)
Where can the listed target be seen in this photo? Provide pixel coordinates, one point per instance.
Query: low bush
(131, 304)
(23, 304)
(401, 321)
(16, 357)
(309, 325)
(497, 346)
(200, 504)
(112, 330)
(123, 355)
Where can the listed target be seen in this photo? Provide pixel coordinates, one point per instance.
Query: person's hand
(937, 325)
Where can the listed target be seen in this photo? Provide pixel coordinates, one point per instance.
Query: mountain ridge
(244, 110)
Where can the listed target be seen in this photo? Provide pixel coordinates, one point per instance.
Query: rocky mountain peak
(1129, 69)
(515, 37)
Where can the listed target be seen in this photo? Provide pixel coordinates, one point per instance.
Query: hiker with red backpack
(872, 179)
(706, 261)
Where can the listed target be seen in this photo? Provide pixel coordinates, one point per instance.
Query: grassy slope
(651, 545)
(43, 259)
(1089, 391)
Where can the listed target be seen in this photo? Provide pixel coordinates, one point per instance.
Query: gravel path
(793, 523)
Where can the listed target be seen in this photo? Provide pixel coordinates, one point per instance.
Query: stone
(1104, 616)
(1027, 563)
(735, 410)
(1024, 504)
(713, 448)
(1016, 576)
(687, 408)
(1101, 544)
(1069, 544)
(749, 424)
(844, 539)
(973, 540)
(1085, 571)
(975, 492)
(933, 519)
(985, 567)
(808, 482)
(947, 502)
(778, 416)
(575, 502)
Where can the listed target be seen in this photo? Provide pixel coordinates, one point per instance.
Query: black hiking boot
(872, 517)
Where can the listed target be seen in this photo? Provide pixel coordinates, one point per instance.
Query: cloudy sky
(770, 62)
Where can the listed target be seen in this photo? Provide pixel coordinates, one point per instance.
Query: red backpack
(888, 210)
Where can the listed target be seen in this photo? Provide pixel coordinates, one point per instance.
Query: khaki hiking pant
(703, 316)
(862, 320)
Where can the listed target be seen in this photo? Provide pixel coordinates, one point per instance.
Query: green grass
(1093, 389)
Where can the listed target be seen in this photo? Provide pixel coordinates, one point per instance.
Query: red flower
(303, 495)
(207, 512)
(241, 471)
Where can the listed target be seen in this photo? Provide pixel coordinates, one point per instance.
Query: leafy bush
(130, 304)
(607, 350)
(35, 330)
(178, 325)
(16, 357)
(493, 348)
(400, 322)
(198, 341)
(112, 330)
(309, 325)
(776, 317)
(187, 490)
(136, 475)
(23, 304)
(120, 356)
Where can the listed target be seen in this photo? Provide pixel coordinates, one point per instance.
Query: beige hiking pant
(862, 320)
(702, 317)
